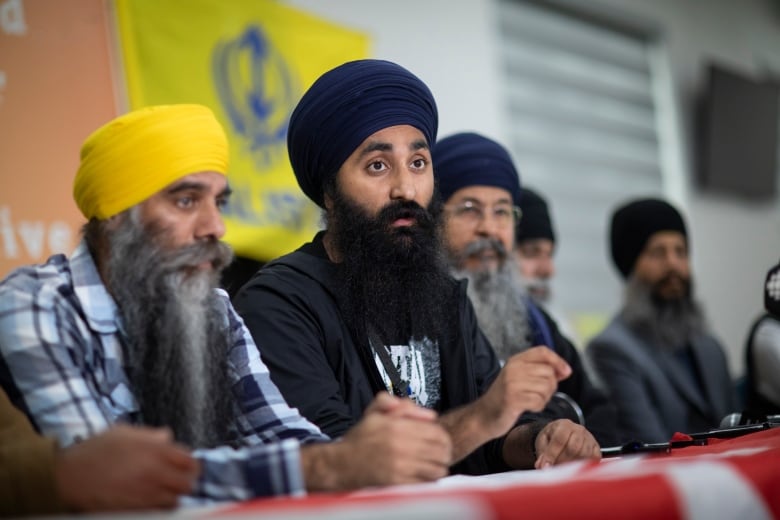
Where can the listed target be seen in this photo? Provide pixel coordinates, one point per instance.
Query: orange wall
(55, 88)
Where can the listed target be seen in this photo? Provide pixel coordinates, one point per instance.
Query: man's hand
(396, 442)
(526, 383)
(125, 468)
(562, 441)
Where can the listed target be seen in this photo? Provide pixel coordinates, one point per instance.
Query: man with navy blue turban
(369, 306)
(481, 191)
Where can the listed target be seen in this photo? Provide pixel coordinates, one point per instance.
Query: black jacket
(291, 308)
(599, 411)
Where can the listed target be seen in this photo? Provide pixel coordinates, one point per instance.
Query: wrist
(320, 464)
(519, 450)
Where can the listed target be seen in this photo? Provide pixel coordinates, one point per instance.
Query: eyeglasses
(473, 213)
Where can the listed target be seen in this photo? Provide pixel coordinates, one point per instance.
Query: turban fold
(536, 221)
(469, 159)
(345, 106)
(134, 156)
(634, 223)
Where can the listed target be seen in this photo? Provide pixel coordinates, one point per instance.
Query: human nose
(547, 268)
(403, 187)
(487, 224)
(210, 223)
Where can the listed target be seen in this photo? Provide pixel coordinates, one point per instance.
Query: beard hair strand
(176, 337)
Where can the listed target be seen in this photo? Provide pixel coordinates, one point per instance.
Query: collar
(99, 307)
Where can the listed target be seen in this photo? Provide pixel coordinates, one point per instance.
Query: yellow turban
(136, 155)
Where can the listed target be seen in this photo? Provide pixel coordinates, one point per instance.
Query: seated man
(662, 368)
(369, 306)
(535, 245)
(480, 188)
(131, 330)
(147, 470)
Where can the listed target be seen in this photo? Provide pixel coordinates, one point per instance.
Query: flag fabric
(250, 61)
(734, 478)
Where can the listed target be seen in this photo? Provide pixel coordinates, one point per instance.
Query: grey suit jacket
(653, 390)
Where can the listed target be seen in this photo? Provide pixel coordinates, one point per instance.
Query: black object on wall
(737, 136)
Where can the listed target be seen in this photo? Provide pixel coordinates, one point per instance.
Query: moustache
(406, 209)
(672, 276)
(217, 253)
(482, 245)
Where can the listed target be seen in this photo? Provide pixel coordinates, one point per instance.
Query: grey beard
(669, 324)
(497, 297)
(177, 337)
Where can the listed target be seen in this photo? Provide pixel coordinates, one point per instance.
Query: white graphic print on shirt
(418, 364)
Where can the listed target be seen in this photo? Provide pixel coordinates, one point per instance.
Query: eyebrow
(379, 146)
(481, 203)
(196, 186)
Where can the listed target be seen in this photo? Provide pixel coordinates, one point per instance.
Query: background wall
(453, 47)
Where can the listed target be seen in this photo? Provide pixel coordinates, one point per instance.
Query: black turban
(634, 223)
(469, 159)
(344, 107)
(535, 221)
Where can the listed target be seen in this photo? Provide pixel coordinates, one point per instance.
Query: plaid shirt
(61, 362)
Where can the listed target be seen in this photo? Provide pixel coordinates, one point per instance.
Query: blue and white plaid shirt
(61, 362)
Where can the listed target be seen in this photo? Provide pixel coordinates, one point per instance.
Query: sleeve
(272, 432)
(27, 461)
(488, 458)
(638, 419)
(43, 365)
(290, 333)
(599, 411)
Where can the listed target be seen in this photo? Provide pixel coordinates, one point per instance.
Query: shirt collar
(99, 307)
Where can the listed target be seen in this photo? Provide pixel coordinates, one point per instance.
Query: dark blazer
(653, 390)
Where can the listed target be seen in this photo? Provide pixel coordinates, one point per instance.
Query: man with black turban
(369, 307)
(665, 372)
(535, 245)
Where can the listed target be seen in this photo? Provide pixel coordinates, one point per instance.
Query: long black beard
(395, 280)
(497, 296)
(668, 323)
(176, 338)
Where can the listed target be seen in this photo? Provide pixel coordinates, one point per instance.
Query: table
(733, 478)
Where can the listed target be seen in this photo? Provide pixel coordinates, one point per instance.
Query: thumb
(542, 462)
(562, 369)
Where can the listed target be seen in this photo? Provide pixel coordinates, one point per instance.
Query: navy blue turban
(345, 106)
(469, 159)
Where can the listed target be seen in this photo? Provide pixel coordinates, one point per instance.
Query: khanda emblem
(257, 91)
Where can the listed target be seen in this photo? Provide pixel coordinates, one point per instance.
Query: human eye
(376, 166)
(656, 253)
(502, 212)
(185, 202)
(222, 202)
(470, 209)
(419, 163)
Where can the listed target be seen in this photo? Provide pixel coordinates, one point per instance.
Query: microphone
(735, 419)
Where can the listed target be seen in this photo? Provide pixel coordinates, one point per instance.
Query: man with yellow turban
(131, 329)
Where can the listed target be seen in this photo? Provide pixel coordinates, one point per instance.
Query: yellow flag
(250, 61)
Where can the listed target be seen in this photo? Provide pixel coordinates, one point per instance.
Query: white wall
(452, 46)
